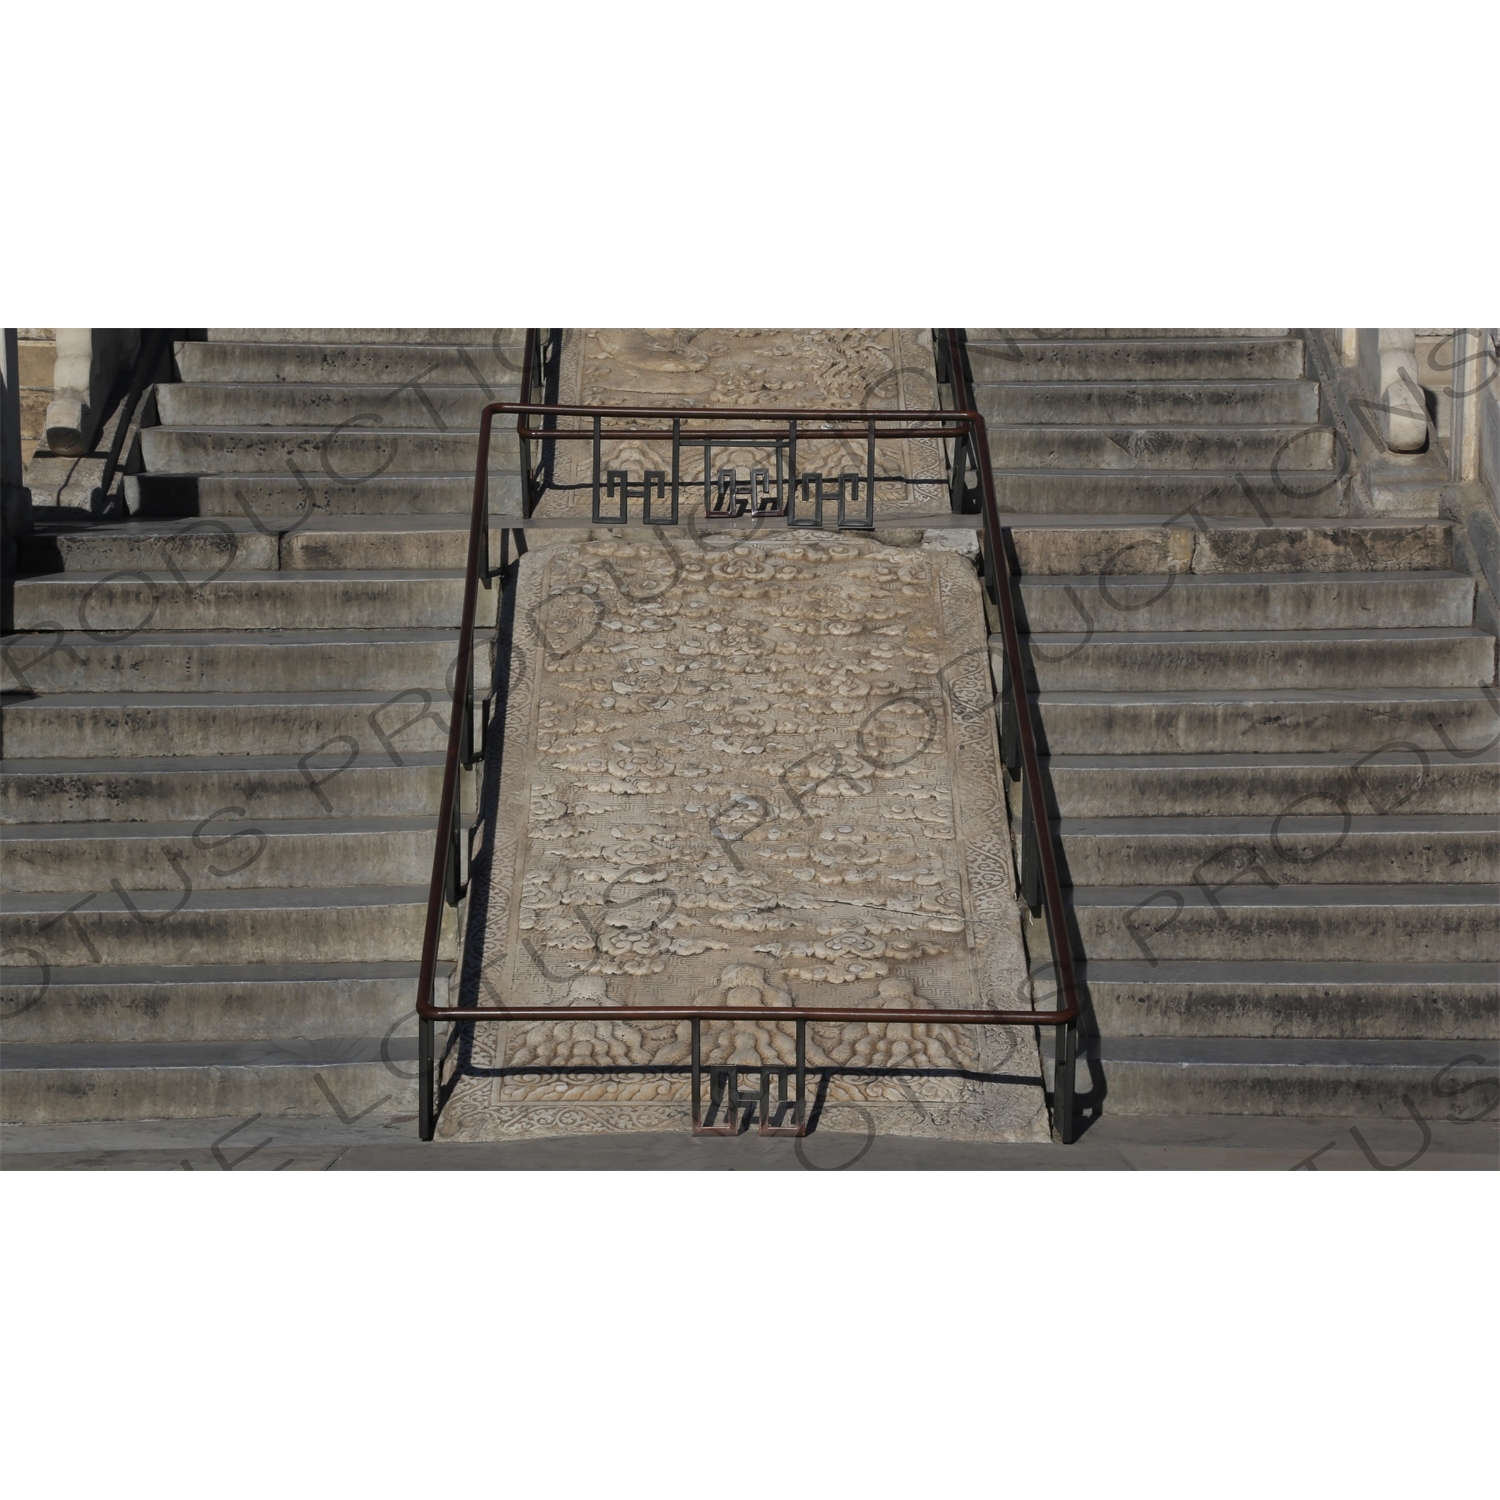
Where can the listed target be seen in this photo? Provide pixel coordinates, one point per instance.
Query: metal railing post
(425, 1116)
(598, 427)
(1031, 854)
(696, 1069)
(484, 532)
(1019, 738)
(1010, 730)
(1063, 1081)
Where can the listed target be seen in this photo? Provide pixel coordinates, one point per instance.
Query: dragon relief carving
(737, 776)
(741, 814)
(712, 786)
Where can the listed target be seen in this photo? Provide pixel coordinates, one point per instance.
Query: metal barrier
(765, 496)
(154, 342)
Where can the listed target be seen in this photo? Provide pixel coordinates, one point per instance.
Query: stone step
(1285, 998)
(1114, 448)
(166, 789)
(1246, 785)
(1137, 358)
(67, 487)
(212, 545)
(1241, 601)
(44, 1083)
(352, 456)
(139, 600)
(274, 498)
(326, 726)
(1276, 1076)
(1157, 403)
(211, 1002)
(365, 542)
(222, 850)
(1302, 847)
(242, 661)
(281, 404)
(494, 365)
(1248, 921)
(1260, 660)
(468, 338)
(1123, 546)
(362, 924)
(1402, 493)
(1253, 492)
(1273, 721)
(199, 546)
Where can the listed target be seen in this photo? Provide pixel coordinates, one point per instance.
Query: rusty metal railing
(1041, 887)
(970, 486)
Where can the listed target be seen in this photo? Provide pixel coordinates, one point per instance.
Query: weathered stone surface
(1102, 550)
(748, 773)
(1322, 549)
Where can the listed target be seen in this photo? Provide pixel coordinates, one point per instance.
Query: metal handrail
(1039, 871)
(147, 357)
(965, 427)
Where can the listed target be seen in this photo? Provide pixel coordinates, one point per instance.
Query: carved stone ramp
(754, 769)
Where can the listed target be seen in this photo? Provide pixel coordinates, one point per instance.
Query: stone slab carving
(752, 771)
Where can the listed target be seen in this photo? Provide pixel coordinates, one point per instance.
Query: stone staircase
(1271, 730)
(223, 731)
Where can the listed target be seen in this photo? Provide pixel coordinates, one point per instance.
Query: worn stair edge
(224, 850)
(1286, 999)
(211, 1002)
(132, 790)
(190, 1080)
